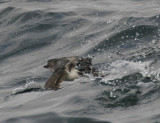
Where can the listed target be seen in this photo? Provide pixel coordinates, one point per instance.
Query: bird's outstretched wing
(56, 79)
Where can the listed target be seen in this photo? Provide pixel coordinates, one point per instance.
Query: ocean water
(122, 36)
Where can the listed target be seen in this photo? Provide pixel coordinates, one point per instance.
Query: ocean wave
(51, 117)
(125, 44)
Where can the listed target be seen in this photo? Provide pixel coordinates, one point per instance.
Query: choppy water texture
(122, 35)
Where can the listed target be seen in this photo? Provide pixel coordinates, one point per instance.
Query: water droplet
(137, 34)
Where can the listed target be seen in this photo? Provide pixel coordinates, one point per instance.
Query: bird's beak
(46, 66)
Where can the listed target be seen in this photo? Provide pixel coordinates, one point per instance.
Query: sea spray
(31, 85)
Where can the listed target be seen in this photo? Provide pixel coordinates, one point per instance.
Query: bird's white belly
(73, 74)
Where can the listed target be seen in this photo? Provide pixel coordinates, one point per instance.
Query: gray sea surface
(122, 36)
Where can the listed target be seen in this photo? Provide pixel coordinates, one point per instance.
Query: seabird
(68, 68)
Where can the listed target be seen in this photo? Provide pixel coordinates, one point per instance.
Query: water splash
(120, 68)
(30, 85)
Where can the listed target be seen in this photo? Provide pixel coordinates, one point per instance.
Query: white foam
(120, 68)
(155, 75)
